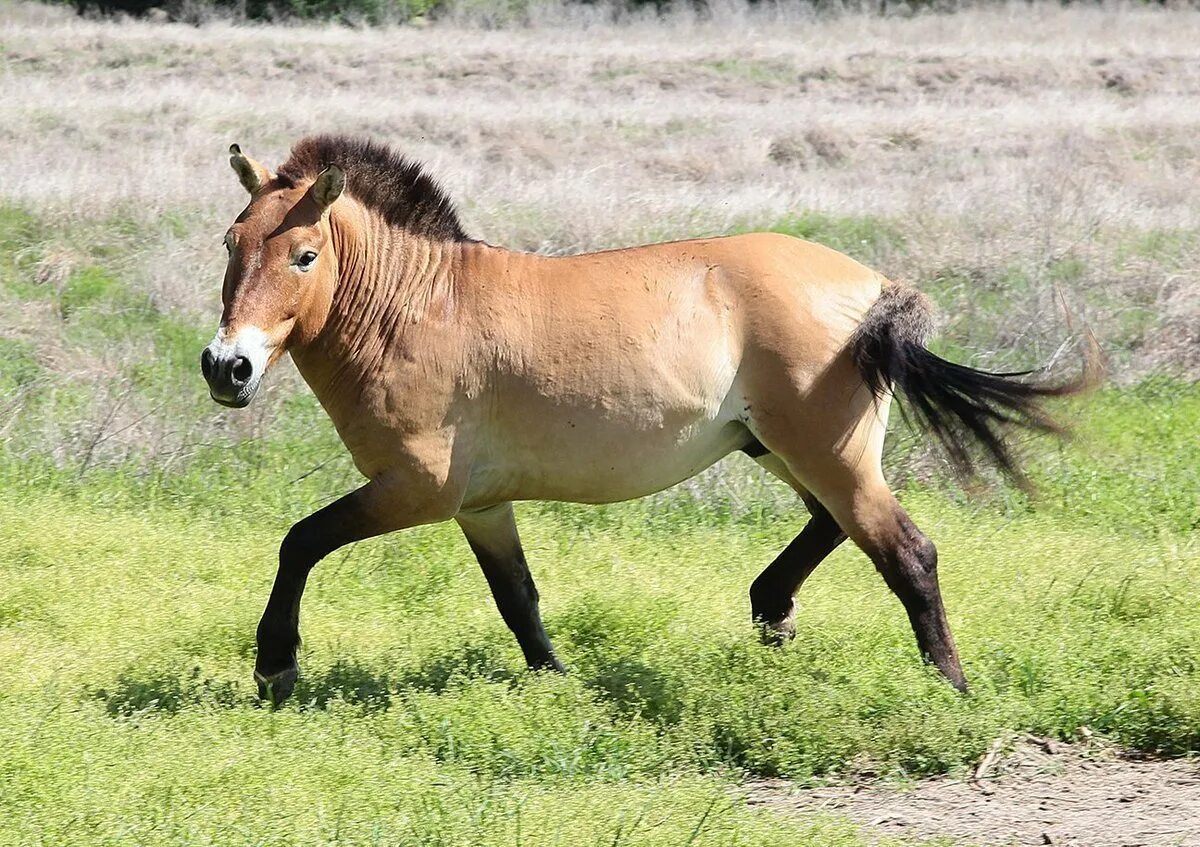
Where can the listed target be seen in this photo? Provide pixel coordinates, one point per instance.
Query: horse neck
(389, 282)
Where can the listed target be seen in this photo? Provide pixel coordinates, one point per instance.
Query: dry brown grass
(1019, 151)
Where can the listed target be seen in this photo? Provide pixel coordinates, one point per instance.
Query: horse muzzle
(234, 368)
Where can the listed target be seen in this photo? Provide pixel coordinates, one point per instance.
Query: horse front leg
(492, 534)
(378, 507)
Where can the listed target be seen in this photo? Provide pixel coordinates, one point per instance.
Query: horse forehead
(267, 212)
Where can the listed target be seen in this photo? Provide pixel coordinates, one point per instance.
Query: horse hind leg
(848, 483)
(870, 514)
(772, 603)
(908, 561)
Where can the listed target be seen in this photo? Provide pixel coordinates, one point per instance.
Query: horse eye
(306, 259)
(228, 242)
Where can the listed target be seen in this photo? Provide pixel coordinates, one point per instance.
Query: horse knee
(306, 543)
(511, 583)
(294, 546)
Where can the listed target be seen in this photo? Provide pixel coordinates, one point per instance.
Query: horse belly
(613, 441)
(600, 466)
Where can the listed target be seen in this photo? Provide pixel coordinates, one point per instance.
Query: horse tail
(961, 407)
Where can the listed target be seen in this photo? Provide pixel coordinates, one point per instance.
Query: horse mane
(381, 179)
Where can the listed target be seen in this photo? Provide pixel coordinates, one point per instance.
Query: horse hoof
(549, 663)
(776, 635)
(276, 687)
(778, 632)
(775, 628)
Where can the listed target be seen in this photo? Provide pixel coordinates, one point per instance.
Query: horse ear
(328, 186)
(253, 176)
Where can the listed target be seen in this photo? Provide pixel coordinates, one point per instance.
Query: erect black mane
(396, 187)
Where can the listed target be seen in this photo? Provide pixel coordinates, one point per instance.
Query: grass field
(1002, 166)
(128, 611)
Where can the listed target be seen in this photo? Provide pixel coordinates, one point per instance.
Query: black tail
(960, 406)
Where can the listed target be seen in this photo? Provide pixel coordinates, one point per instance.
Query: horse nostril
(242, 370)
(206, 363)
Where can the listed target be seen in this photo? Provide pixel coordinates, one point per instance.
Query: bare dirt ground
(1039, 792)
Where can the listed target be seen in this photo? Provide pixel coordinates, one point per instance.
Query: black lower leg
(492, 534)
(909, 566)
(771, 594)
(278, 634)
(516, 597)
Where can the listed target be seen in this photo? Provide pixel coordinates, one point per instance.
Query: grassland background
(1008, 161)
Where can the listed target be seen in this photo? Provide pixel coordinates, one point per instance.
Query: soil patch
(1029, 791)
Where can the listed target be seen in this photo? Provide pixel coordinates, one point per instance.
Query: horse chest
(391, 424)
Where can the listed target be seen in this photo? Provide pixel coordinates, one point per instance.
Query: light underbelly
(601, 466)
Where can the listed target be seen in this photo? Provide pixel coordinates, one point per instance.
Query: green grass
(127, 615)
(19, 365)
(130, 590)
(755, 71)
(867, 238)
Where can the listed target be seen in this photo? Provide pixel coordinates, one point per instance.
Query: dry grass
(1015, 152)
(568, 139)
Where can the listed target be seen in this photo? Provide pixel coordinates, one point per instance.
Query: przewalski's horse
(462, 377)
